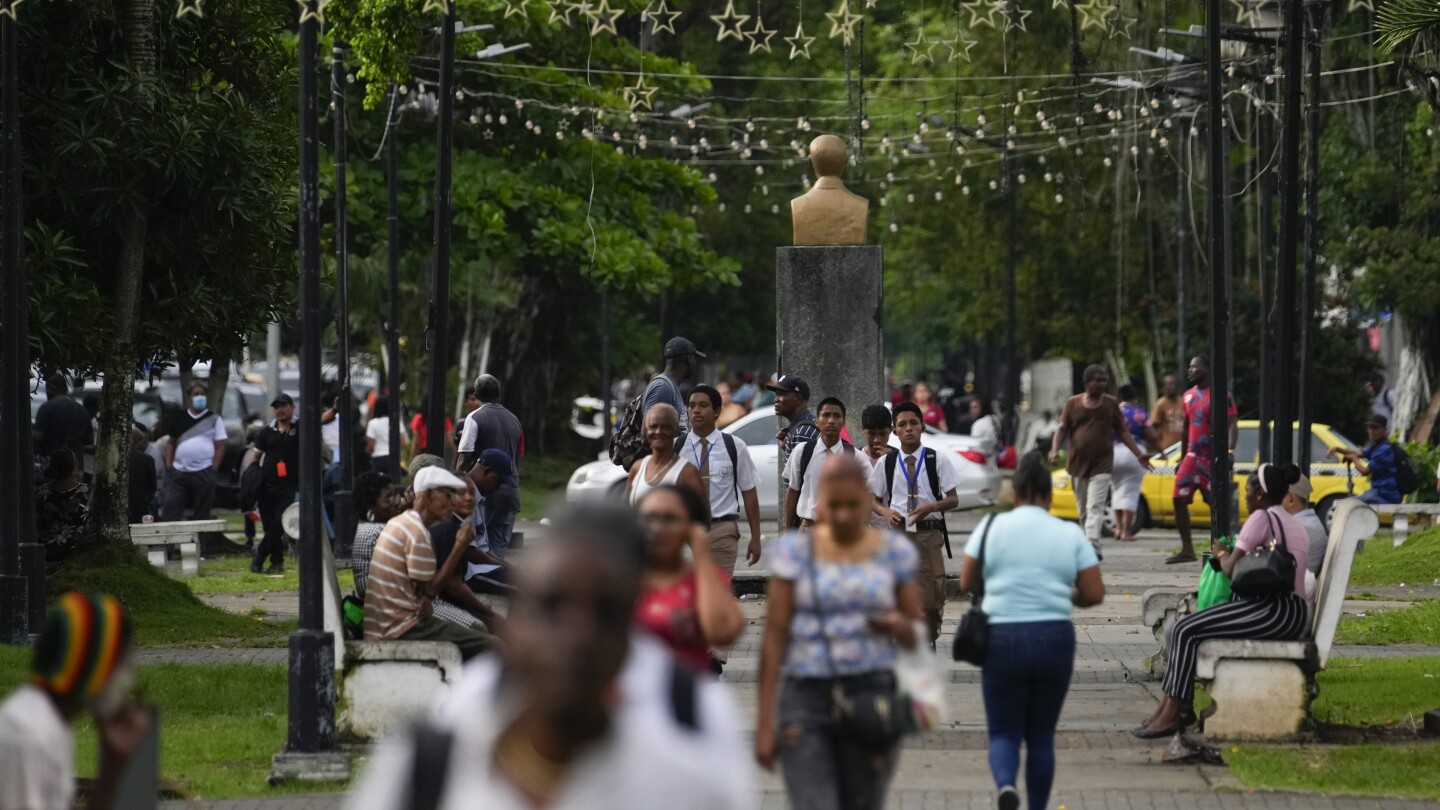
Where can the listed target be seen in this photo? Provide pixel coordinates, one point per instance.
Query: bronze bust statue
(829, 214)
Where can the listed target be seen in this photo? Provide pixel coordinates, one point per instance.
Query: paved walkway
(1099, 762)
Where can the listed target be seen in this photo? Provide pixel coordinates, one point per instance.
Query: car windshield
(757, 431)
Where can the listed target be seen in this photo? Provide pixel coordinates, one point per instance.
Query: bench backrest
(1351, 522)
(334, 619)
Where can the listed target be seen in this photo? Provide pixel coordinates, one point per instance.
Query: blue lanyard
(911, 479)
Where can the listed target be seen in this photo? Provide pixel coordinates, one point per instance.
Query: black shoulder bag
(870, 714)
(972, 635)
(1266, 570)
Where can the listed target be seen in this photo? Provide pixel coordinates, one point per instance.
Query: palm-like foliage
(1408, 26)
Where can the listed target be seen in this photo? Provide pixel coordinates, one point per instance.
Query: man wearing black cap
(680, 357)
(279, 481)
(792, 403)
(1379, 461)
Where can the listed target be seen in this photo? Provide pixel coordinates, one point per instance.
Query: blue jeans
(1026, 676)
(1375, 497)
(497, 532)
(823, 769)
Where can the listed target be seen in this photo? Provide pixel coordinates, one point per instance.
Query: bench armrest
(1157, 601)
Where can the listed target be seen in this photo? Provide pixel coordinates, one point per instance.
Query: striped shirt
(402, 558)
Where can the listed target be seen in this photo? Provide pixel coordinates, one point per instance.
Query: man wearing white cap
(405, 577)
(1297, 503)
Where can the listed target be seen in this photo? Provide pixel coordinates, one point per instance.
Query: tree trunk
(218, 383)
(108, 519)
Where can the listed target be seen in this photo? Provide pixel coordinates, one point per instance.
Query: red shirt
(1197, 414)
(417, 427)
(934, 415)
(669, 613)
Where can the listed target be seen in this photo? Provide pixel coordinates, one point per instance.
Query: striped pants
(1271, 618)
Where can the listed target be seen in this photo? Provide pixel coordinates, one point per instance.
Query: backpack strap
(805, 455)
(734, 455)
(891, 460)
(429, 767)
(683, 703)
(933, 473)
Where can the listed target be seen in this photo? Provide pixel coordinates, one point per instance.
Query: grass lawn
(1415, 625)
(232, 574)
(1415, 563)
(1368, 770)
(220, 724)
(542, 482)
(1377, 691)
(164, 611)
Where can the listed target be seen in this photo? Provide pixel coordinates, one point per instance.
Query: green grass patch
(164, 611)
(1414, 625)
(219, 724)
(232, 575)
(542, 482)
(1411, 771)
(1415, 563)
(1377, 691)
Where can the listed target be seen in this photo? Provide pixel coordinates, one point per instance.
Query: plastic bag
(919, 678)
(1214, 586)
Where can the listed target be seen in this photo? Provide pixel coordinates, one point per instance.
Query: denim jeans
(1026, 676)
(822, 770)
(497, 533)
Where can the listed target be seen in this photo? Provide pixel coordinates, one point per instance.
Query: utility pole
(1308, 304)
(309, 751)
(1012, 200)
(1267, 276)
(1219, 288)
(440, 269)
(17, 524)
(392, 330)
(344, 505)
(1184, 253)
(1285, 334)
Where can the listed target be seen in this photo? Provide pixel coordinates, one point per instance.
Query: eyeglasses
(662, 519)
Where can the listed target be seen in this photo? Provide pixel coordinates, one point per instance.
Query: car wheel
(1326, 509)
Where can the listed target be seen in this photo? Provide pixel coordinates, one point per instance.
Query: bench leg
(1401, 530)
(1158, 666)
(190, 559)
(1257, 700)
(156, 556)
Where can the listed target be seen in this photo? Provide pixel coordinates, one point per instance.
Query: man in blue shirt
(1378, 460)
(681, 361)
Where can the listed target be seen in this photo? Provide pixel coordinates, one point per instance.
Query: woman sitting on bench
(1279, 617)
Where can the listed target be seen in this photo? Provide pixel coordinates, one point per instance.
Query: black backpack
(628, 444)
(931, 472)
(1405, 475)
(809, 453)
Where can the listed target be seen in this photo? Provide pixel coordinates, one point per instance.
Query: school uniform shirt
(898, 497)
(645, 761)
(37, 753)
(809, 491)
(196, 452)
(723, 477)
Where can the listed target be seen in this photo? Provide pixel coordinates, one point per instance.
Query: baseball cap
(499, 461)
(681, 347)
(282, 399)
(791, 384)
(436, 478)
(1378, 420)
(1302, 488)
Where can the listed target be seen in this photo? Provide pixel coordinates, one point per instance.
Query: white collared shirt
(722, 478)
(899, 496)
(809, 492)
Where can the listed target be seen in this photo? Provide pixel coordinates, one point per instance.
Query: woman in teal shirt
(1037, 567)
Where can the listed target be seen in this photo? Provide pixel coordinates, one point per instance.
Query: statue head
(828, 156)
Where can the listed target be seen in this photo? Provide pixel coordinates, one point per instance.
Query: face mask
(199, 402)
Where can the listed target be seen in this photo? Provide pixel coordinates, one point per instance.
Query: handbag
(972, 635)
(1266, 570)
(864, 711)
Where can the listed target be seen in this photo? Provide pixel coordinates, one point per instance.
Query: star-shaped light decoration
(730, 23)
(871, 3)
(760, 36)
(983, 12)
(1095, 14)
(960, 45)
(580, 7)
(1014, 15)
(1054, 4)
(1244, 14)
(603, 17)
(318, 14)
(513, 8)
(662, 19)
(1356, 5)
(843, 22)
(7, 9)
(185, 7)
(441, 6)
(1122, 27)
(640, 95)
(921, 48)
(799, 44)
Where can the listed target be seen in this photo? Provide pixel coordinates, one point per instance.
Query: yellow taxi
(1331, 479)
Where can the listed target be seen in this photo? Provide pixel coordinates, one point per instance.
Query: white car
(979, 477)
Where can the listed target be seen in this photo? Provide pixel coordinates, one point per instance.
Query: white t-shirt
(985, 430)
(899, 496)
(379, 430)
(647, 761)
(198, 452)
(330, 434)
(37, 753)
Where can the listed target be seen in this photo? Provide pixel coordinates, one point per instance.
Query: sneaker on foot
(1008, 798)
(275, 569)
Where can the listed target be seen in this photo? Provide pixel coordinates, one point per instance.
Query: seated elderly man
(405, 577)
(1297, 503)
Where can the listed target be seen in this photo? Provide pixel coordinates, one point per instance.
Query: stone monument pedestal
(828, 324)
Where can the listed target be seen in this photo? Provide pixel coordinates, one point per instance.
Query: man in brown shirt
(1168, 415)
(1092, 421)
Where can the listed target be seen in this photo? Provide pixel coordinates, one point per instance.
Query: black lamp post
(1290, 190)
(344, 506)
(392, 326)
(440, 269)
(1219, 288)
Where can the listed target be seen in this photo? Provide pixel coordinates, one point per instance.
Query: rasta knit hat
(82, 643)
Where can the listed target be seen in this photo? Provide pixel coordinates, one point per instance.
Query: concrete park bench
(383, 686)
(1422, 515)
(156, 537)
(1262, 689)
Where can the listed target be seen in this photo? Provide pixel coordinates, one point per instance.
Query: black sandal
(1182, 558)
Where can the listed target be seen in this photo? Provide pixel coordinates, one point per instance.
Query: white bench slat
(178, 527)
